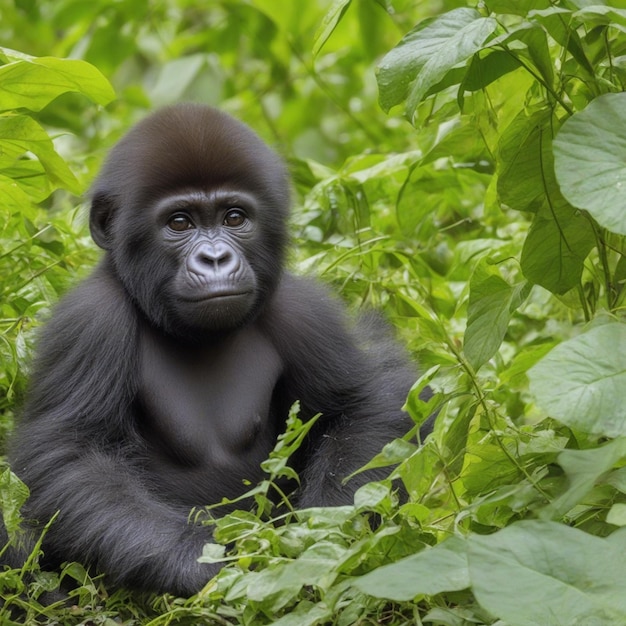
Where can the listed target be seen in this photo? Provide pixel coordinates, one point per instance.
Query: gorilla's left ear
(100, 218)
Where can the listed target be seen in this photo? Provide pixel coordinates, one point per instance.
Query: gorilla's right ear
(100, 218)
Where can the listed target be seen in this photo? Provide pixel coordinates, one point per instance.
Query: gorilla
(162, 381)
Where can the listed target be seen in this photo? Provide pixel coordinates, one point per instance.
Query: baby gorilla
(163, 380)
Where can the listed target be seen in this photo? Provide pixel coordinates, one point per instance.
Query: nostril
(214, 257)
(214, 254)
(211, 257)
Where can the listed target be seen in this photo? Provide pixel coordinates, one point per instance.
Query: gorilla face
(196, 234)
(208, 238)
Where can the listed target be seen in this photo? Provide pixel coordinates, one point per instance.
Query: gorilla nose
(216, 258)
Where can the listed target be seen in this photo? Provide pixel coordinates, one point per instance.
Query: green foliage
(483, 214)
(593, 143)
(35, 245)
(560, 575)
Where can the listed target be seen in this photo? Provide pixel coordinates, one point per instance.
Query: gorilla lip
(215, 295)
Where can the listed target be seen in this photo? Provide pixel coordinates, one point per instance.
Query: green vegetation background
(460, 166)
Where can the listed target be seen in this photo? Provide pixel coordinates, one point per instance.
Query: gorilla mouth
(217, 294)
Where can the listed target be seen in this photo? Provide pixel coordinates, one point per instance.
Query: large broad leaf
(427, 53)
(32, 82)
(536, 572)
(582, 382)
(530, 573)
(590, 160)
(431, 571)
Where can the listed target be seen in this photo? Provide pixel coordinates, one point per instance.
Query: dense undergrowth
(461, 167)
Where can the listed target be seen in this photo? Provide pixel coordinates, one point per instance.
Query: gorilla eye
(179, 222)
(234, 218)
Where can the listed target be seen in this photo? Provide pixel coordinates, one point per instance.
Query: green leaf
(557, 244)
(617, 515)
(590, 160)
(523, 149)
(526, 574)
(519, 7)
(431, 571)
(29, 174)
(556, 21)
(13, 494)
(33, 83)
(212, 553)
(12, 197)
(537, 572)
(484, 70)
(599, 14)
(560, 238)
(536, 42)
(515, 374)
(427, 53)
(316, 566)
(306, 614)
(329, 23)
(20, 134)
(583, 469)
(491, 302)
(176, 76)
(582, 382)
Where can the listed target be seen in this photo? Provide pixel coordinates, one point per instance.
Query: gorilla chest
(209, 407)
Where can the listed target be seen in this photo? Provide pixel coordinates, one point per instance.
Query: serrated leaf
(13, 494)
(427, 53)
(582, 382)
(590, 160)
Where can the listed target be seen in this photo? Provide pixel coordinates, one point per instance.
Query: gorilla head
(201, 239)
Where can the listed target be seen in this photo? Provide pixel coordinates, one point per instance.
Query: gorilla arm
(77, 449)
(357, 378)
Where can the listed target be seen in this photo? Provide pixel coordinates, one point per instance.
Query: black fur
(162, 381)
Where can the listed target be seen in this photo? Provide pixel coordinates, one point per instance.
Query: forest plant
(492, 234)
